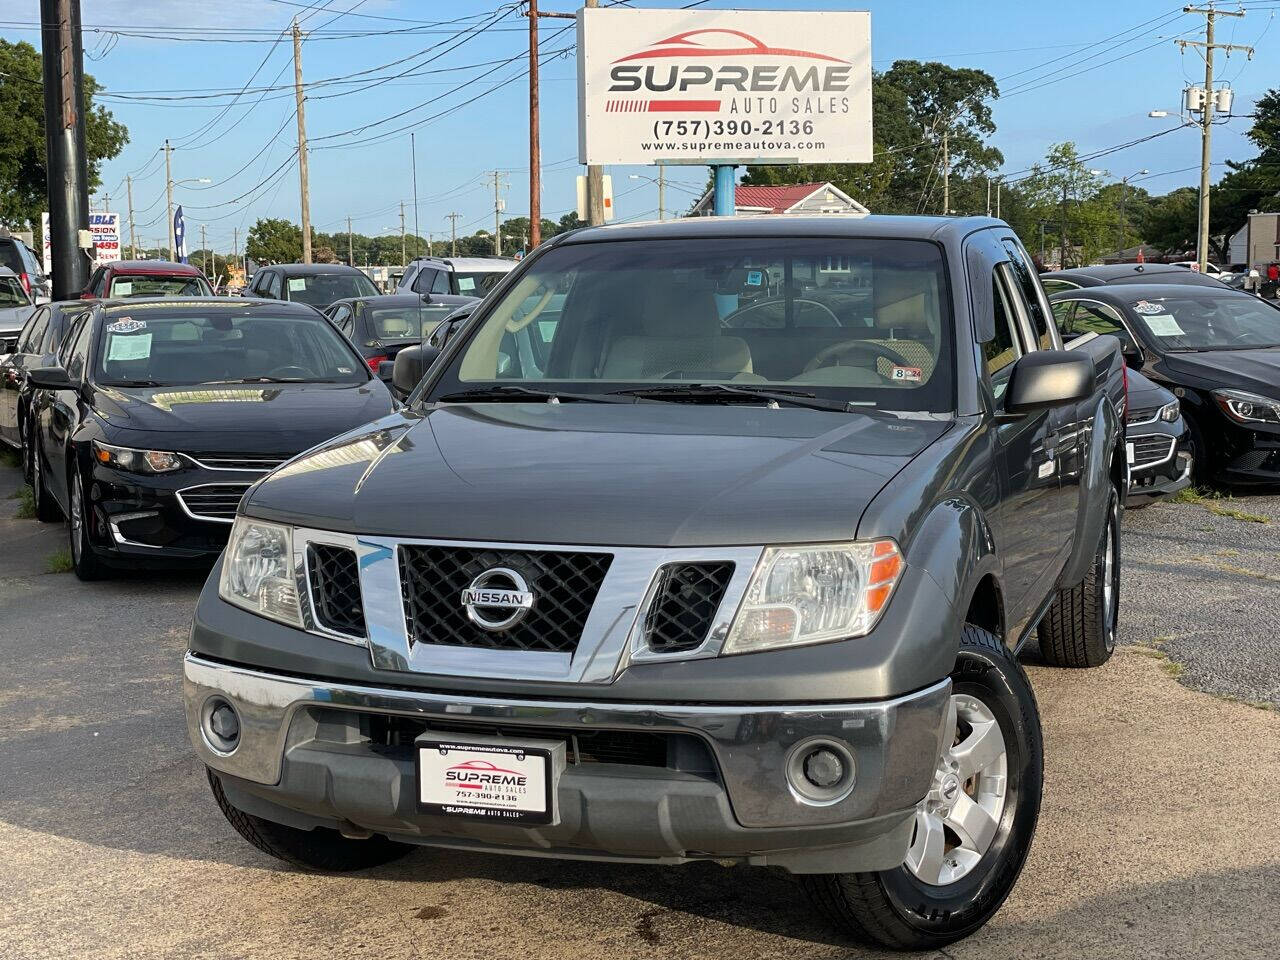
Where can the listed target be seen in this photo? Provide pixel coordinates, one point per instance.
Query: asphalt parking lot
(1158, 836)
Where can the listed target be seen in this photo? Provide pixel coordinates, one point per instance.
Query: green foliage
(23, 173)
(912, 103)
(274, 241)
(59, 562)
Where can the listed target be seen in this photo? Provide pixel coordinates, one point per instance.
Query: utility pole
(988, 196)
(302, 143)
(946, 173)
(1063, 226)
(403, 261)
(204, 252)
(168, 192)
(235, 249)
(133, 239)
(351, 257)
(999, 183)
(417, 237)
(62, 64)
(1206, 114)
(497, 213)
(662, 192)
(595, 176)
(453, 233)
(1042, 256)
(535, 147)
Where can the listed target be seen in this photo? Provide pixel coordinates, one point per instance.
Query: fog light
(221, 725)
(822, 768)
(820, 772)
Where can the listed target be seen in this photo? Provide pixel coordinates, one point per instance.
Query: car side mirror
(1048, 378)
(386, 370)
(50, 378)
(410, 365)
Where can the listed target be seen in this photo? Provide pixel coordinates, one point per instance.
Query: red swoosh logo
(484, 766)
(682, 46)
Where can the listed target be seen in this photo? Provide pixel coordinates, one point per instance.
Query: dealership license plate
(489, 778)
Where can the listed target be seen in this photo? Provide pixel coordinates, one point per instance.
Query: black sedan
(1217, 349)
(381, 326)
(1056, 281)
(35, 346)
(160, 414)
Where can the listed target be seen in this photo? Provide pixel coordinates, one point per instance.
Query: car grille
(260, 463)
(213, 501)
(684, 605)
(564, 586)
(1141, 414)
(1152, 449)
(334, 576)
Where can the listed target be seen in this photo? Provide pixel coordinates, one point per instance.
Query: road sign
(105, 228)
(723, 86)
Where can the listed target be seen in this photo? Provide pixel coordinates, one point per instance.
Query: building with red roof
(807, 198)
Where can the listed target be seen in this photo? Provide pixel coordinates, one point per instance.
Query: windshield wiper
(736, 393)
(139, 383)
(205, 383)
(515, 393)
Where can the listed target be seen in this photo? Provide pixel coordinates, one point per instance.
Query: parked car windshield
(858, 320)
(124, 285)
(1190, 322)
(406, 323)
(12, 294)
(164, 345)
(477, 284)
(322, 289)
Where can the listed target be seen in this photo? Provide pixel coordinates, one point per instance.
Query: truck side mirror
(410, 364)
(1048, 378)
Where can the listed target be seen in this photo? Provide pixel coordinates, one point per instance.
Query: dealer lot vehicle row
(706, 540)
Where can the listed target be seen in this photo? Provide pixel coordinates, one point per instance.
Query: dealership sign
(105, 228)
(721, 86)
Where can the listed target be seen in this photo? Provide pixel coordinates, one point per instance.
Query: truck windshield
(863, 321)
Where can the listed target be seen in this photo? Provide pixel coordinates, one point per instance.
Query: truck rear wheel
(974, 828)
(318, 849)
(1079, 630)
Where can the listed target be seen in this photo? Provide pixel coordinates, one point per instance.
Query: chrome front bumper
(745, 810)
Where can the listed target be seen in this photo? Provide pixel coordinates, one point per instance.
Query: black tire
(47, 510)
(84, 561)
(895, 909)
(1200, 473)
(1079, 630)
(318, 849)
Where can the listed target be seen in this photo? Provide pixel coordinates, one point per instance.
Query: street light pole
(168, 191)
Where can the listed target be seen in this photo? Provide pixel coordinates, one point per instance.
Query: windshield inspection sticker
(755, 278)
(1164, 326)
(910, 374)
(126, 325)
(1147, 308)
(129, 348)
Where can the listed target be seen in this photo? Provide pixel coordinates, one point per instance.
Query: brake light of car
(374, 361)
(26, 282)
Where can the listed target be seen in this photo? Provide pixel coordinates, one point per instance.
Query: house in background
(807, 198)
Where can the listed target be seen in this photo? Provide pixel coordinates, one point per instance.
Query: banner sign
(179, 235)
(47, 244)
(723, 86)
(105, 228)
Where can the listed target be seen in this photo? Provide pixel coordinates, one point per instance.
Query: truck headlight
(811, 594)
(257, 570)
(136, 461)
(1244, 407)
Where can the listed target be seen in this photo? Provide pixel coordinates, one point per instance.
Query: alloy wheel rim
(77, 520)
(957, 821)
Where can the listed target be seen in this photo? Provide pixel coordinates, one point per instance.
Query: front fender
(1096, 482)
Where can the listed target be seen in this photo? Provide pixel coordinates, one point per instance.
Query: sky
(1088, 71)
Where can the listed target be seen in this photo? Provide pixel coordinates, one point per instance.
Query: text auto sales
(823, 83)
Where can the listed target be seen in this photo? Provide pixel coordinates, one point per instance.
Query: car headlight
(136, 461)
(812, 594)
(1170, 411)
(1244, 407)
(257, 570)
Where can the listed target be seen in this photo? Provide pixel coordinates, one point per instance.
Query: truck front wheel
(973, 829)
(318, 849)
(1079, 630)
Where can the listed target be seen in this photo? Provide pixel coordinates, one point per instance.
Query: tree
(1065, 195)
(274, 241)
(23, 171)
(912, 105)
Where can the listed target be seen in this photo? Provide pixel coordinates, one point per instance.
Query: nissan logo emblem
(497, 590)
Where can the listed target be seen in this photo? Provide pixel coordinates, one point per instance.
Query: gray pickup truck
(714, 539)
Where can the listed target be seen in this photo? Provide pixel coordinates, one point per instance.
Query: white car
(462, 276)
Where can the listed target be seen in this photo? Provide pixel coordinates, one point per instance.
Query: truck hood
(275, 418)
(599, 474)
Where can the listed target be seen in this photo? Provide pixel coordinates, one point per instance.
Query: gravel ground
(1202, 584)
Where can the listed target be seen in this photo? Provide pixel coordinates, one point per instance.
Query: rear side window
(1030, 287)
(9, 256)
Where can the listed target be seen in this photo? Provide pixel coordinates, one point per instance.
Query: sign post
(724, 88)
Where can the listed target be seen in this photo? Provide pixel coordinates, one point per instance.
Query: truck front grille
(334, 576)
(564, 587)
(684, 605)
